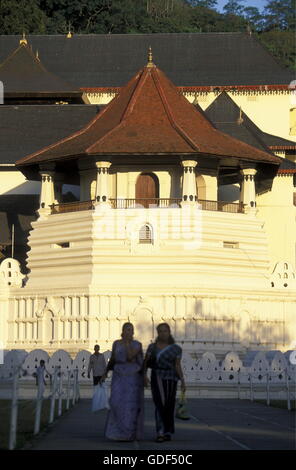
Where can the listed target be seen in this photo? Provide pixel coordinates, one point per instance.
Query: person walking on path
(164, 358)
(97, 365)
(39, 375)
(125, 420)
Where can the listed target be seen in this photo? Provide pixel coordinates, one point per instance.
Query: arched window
(145, 234)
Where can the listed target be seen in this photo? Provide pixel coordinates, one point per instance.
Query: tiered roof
(23, 75)
(149, 117)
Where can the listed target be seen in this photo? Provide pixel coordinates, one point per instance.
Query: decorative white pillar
(47, 196)
(248, 191)
(189, 195)
(102, 188)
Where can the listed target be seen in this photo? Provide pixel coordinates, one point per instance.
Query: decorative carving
(10, 273)
(49, 305)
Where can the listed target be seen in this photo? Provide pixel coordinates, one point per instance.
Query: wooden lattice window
(145, 234)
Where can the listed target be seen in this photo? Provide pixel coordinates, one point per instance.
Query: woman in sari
(125, 419)
(164, 358)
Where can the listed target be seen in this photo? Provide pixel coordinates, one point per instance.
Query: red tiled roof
(286, 171)
(149, 116)
(197, 88)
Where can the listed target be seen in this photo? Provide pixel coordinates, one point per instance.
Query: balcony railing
(144, 202)
(220, 206)
(72, 206)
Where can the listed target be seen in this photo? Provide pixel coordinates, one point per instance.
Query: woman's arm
(180, 373)
(111, 361)
(145, 367)
(132, 352)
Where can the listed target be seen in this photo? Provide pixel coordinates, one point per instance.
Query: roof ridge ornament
(23, 40)
(240, 118)
(69, 35)
(150, 58)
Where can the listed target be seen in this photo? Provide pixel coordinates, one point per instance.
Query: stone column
(102, 188)
(47, 196)
(248, 192)
(189, 195)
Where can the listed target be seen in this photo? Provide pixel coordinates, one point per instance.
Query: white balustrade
(60, 359)
(32, 362)
(264, 372)
(80, 363)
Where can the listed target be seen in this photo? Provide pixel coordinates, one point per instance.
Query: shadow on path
(215, 424)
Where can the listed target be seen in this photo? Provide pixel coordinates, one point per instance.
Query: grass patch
(279, 403)
(25, 420)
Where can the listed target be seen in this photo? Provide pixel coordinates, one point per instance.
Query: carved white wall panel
(81, 362)
(32, 361)
(189, 367)
(60, 359)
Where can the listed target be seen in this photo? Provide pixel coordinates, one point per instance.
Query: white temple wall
(213, 322)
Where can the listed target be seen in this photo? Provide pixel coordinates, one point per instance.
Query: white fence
(267, 372)
(198, 369)
(63, 374)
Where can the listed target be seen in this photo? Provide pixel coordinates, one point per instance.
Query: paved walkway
(223, 424)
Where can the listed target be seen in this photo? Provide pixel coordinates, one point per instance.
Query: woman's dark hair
(171, 339)
(124, 325)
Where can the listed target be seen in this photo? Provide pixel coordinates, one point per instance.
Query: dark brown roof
(225, 114)
(23, 74)
(149, 116)
(188, 59)
(27, 128)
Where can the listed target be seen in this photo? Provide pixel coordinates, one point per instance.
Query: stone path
(215, 424)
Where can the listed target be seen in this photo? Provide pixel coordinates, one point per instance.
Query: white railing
(57, 394)
(267, 373)
(266, 385)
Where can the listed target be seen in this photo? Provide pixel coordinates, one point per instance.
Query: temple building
(162, 196)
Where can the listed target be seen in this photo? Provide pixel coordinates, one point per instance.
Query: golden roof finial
(150, 58)
(240, 119)
(24, 40)
(69, 35)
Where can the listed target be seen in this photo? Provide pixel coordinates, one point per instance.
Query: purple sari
(125, 419)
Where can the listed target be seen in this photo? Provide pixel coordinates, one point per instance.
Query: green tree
(211, 4)
(83, 15)
(206, 20)
(18, 16)
(254, 17)
(280, 14)
(234, 7)
(281, 44)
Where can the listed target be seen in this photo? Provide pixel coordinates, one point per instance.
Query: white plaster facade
(207, 273)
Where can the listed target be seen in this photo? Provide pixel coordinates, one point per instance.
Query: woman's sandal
(160, 439)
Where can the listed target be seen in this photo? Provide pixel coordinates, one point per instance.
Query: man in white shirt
(39, 375)
(97, 364)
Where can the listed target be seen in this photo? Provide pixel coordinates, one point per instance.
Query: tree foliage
(275, 26)
(18, 16)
